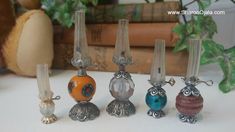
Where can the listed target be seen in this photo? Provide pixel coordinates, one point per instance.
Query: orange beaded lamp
(82, 87)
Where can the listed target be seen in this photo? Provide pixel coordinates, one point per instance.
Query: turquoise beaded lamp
(156, 97)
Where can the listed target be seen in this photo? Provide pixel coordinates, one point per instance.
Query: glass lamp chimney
(194, 59)
(157, 76)
(45, 92)
(81, 56)
(122, 55)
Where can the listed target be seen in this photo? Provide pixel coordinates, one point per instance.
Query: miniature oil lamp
(156, 97)
(189, 101)
(121, 85)
(82, 87)
(47, 106)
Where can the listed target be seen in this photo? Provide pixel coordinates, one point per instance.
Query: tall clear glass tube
(194, 58)
(80, 53)
(122, 55)
(158, 66)
(43, 82)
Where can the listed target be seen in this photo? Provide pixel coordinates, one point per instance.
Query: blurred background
(148, 21)
(225, 23)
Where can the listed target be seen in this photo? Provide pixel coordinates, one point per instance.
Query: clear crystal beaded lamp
(47, 106)
(121, 85)
(189, 101)
(156, 97)
(82, 87)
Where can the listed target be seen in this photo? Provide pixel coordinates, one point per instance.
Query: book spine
(140, 35)
(7, 21)
(152, 12)
(176, 63)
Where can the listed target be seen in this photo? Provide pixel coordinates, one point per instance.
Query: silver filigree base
(120, 108)
(49, 119)
(156, 114)
(84, 111)
(187, 119)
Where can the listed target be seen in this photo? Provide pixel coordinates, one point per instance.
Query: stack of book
(148, 22)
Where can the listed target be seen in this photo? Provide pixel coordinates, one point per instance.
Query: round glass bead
(121, 88)
(82, 88)
(155, 102)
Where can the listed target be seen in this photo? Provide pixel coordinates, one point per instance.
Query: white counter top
(19, 110)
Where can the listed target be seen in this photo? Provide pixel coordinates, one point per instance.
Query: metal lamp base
(156, 114)
(84, 111)
(187, 118)
(120, 108)
(49, 119)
